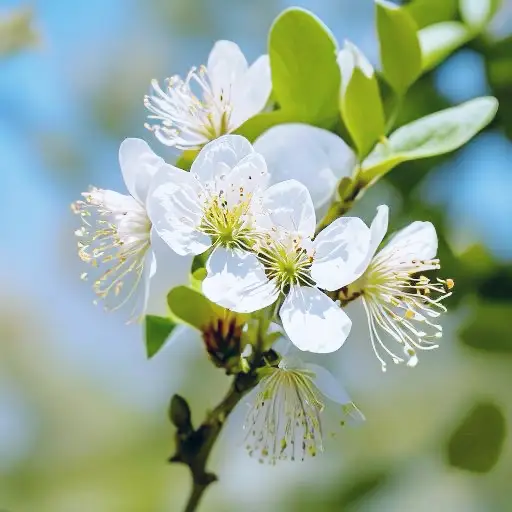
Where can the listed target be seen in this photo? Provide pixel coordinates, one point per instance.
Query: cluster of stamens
(102, 246)
(402, 303)
(286, 263)
(284, 422)
(183, 119)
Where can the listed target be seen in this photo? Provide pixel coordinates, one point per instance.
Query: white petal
(168, 270)
(219, 157)
(249, 177)
(251, 92)
(313, 322)
(138, 164)
(175, 210)
(290, 207)
(226, 65)
(328, 385)
(236, 280)
(315, 157)
(339, 251)
(417, 241)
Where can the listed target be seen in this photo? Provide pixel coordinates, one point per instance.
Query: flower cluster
(251, 211)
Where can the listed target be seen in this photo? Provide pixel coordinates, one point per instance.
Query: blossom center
(188, 113)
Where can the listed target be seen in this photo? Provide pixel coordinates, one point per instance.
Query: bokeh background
(83, 424)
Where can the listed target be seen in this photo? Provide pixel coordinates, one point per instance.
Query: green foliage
(400, 51)
(191, 306)
(17, 31)
(360, 102)
(157, 330)
(439, 41)
(477, 443)
(489, 328)
(432, 135)
(305, 75)
(428, 12)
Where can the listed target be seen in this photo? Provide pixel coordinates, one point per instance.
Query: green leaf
(489, 328)
(440, 40)
(260, 123)
(428, 12)
(157, 330)
(360, 102)
(305, 75)
(477, 443)
(476, 14)
(191, 306)
(400, 51)
(429, 136)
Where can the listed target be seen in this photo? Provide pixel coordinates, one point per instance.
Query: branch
(193, 447)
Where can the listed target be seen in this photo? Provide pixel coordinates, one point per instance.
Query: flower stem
(193, 446)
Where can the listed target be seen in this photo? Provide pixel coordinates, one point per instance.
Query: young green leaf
(157, 330)
(305, 76)
(440, 40)
(428, 12)
(360, 102)
(191, 306)
(432, 135)
(477, 443)
(400, 51)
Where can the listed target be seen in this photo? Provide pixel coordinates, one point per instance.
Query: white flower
(289, 266)
(116, 236)
(284, 422)
(210, 102)
(400, 302)
(315, 157)
(213, 205)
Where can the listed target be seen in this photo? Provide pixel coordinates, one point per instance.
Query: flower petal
(313, 322)
(417, 241)
(339, 251)
(138, 164)
(290, 207)
(328, 385)
(249, 177)
(219, 157)
(226, 65)
(251, 92)
(315, 157)
(175, 210)
(168, 270)
(236, 280)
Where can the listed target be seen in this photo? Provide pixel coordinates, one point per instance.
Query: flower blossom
(284, 421)
(399, 300)
(215, 204)
(211, 101)
(117, 239)
(288, 267)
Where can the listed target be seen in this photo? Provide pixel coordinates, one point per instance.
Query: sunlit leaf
(305, 75)
(440, 40)
(477, 443)
(191, 306)
(400, 51)
(432, 135)
(428, 12)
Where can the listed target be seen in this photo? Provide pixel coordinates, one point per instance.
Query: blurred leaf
(17, 31)
(180, 415)
(157, 330)
(400, 51)
(191, 306)
(260, 123)
(441, 40)
(477, 13)
(476, 444)
(305, 74)
(489, 328)
(428, 12)
(186, 159)
(432, 135)
(360, 102)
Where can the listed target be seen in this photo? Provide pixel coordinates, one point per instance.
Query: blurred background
(83, 423)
